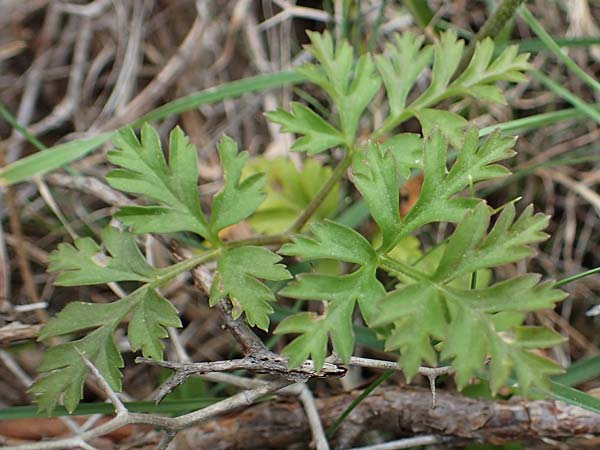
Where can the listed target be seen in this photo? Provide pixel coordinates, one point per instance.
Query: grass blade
(537, 120)
(60, 155)
(220, 93)
(49, 159)
(166, 407)
(568, 96)
(576, 277)
(12, 121)
(384, 376)
(554, 48)
(575, 397)
(579, 372)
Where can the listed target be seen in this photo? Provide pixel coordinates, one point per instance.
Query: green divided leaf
(317, 134)
(145, 171)
(238, 272)
(470, 249)
(450, 124)
(350, 88)
(447, 55)
(289, 191)
(406, 59)
(341, 293)
(407, 149)
(84, 263)
(404, 62)
(468, 322)
(478, 78)
(332, 241)
(63, 369)
(238, 199)
(418, 314)
(150, 316)
(438, 201)
(375, 174)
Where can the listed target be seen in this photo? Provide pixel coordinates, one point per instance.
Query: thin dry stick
(588, 194)
(406, 443)
(124, 417)
(314, 420)
(171, 71)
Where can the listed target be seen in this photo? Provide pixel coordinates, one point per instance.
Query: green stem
(375, 31)
(393, 122)
(318, 199)
(558, 89)
(492, 27)
(420, 11)
(275, 239)
(554, 48)
(576, 277)
(384, 376)
(183, 266)
(395, 266)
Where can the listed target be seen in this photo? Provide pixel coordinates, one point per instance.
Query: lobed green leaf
(84, 263)
(174, 186)
(238, 272)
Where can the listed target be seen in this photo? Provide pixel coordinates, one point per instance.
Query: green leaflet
(463, 319)
(351, 89)
(332, 241)
(450, 124)
(375, 174)
(406, 59)
(438, 201)
(145, 172)
(84, 262)
(407, 149)
(63, 369)
(401, 67)
(377, 170)
(150, 316)
(238, 199)
(238, 272)
(317, 134)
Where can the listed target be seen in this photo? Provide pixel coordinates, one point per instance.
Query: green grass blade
(554, 48)
(562, 392)
(220, 93)
(568, 96)
(537, 120)
(169, 407)
(576, 277)
(55, 157)
(384, 376)
(535, 45)
(575, 397)
(49, 159)
(585, 370)
(12, 121)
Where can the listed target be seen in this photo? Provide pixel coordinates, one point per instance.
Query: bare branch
(400, 412)
(265, 362)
